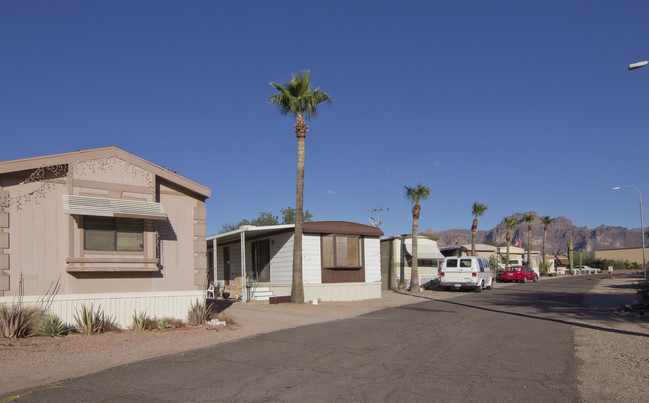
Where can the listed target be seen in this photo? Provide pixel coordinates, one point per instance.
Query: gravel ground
(613, 350)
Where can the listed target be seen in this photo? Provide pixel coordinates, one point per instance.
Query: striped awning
(103, 207)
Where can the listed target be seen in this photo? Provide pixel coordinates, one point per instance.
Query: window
(342, 259)
(341, 251)
(113, 234)
(451, 263)
(465, 262)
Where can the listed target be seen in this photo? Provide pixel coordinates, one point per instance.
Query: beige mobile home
(110, 228)
(396, 259)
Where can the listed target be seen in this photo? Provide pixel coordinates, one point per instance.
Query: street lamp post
(637, 65)
(644, 260)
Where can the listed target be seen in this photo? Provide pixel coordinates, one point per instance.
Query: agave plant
(91, 321)
(18, 320)
(141, 321)
(53, 326)
(199, 312)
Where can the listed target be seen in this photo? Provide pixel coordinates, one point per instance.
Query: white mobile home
(340, 261)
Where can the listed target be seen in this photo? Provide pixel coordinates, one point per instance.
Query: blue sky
(523, 106)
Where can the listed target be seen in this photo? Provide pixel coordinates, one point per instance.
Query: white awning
(103, 207)
(426, 249)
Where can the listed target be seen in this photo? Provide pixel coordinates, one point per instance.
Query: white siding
(372, 260)
(121, 306)
(281, 259)
(311, 261)
(342, 291)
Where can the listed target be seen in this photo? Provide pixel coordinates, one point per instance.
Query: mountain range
(559, 232)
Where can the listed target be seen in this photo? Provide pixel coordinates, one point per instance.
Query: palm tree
(510, 223)
(414, 195)
(546, 220)
(295, 98)
(477, 210)
(529, 218)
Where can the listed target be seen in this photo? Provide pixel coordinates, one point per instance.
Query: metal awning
(426, 249)
(103, 207)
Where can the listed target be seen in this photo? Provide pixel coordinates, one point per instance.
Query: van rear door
(458, 271)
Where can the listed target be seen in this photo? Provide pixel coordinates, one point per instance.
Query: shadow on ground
(560, 304)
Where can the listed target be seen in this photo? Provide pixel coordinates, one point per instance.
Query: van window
(451, 263)
(481, 264)
(465, 262)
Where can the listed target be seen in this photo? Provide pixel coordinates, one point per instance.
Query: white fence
(121, 306)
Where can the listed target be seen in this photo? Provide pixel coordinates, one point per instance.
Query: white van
(466, 272)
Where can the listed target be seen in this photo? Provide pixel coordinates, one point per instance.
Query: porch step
(261, 294)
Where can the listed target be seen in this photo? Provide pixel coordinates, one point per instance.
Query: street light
(644, 261)
(637, 65)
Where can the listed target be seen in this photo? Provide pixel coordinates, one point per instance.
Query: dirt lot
(613, 350)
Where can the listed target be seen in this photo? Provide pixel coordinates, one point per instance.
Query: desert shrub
(53, 326)
(143, 322)
(162, 324)
(171, 322)
(199, 312)
(643, 292)
(605, 263)
(89, 320)
(18, 320)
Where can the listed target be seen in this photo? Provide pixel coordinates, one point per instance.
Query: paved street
(513, 343)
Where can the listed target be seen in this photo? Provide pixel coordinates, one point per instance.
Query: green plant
(53, 326)
(162, 324)
(89, 320)
(643, 292)
(199, 312)
(142, 322)
(544, 268)
(18, 320)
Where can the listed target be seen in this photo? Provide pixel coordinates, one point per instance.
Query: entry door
(261, 261)
(226, 265)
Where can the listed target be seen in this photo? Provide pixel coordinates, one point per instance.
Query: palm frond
(417, 193)
(478, 209)
(296, 98)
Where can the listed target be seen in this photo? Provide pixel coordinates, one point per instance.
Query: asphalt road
(509, 344)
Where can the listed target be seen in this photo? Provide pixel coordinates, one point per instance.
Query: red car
(518, 273)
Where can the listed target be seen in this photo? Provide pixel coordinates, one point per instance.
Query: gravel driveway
(613, 349)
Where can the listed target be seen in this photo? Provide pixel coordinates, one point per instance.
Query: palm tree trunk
(529, 245)
(297, 287)
(545, 235)
(474, 228)
(509, 240)
(414, 267)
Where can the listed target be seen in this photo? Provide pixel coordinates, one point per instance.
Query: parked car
(466, 272)
(518, 273)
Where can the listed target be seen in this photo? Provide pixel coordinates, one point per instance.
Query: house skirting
(120, 306)
(334, 291)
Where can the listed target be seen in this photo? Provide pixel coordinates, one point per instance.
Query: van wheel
(480, 287)
(491, 285)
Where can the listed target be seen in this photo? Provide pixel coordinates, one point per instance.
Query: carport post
(244, 297)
